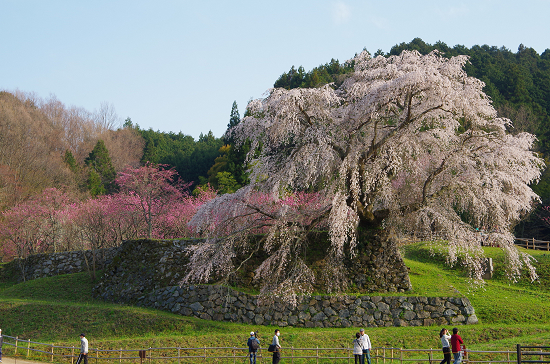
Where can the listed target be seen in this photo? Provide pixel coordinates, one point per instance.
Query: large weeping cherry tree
(407, 144)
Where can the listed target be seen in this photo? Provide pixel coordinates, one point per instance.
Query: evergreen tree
(234, 118)
(94, 184)
(70, 161)
(99, 161)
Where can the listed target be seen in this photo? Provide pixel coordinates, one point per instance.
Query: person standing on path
(358, 348)
(366, 346)
(83, 350)
(445, 337)
(1, 342)
(456, 342)
(277, 352)
(253, 346)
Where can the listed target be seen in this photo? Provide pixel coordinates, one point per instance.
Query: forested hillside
(44, 143)
(191, 159)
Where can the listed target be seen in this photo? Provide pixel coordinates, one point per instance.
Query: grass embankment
(57, 309)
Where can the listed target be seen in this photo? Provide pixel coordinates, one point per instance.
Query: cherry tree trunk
(378, 265)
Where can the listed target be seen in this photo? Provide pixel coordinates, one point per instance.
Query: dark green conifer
(99, 162)
(71, 161)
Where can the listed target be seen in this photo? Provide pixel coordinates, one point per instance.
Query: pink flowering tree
(54, 211)
(36, 225)
(408, 144)
(174, 223)
(150, 190)
(92, 221)
(21, 231)
(283, 224)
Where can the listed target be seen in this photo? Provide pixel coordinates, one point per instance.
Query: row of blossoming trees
(151, 203)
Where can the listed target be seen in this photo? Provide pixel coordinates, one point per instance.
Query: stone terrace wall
(147, 273)
(142, 266)
(47, 265)
(224, 304)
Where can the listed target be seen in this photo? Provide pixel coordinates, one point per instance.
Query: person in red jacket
(456, 343)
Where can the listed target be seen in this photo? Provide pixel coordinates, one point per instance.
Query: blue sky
(179, 65)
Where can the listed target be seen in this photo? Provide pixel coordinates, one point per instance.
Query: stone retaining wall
(47, 265)
(147, 273)
(224, 304)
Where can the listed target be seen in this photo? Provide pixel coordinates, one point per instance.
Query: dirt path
(11, 360)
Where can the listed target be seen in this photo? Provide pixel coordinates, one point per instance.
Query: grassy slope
(57, 309)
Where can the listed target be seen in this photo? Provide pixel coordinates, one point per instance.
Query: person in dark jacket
(253, 346)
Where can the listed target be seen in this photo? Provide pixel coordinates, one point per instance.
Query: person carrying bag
(275, 347)
(253, 346)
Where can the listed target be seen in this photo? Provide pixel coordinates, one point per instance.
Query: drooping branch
(384, 147)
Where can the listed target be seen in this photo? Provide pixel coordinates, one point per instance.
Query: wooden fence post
(16, 339)
(72, 355)
(28, 347)
(52, 352)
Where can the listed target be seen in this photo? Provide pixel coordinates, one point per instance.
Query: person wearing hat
(366, 346)
(83, 350)
(253, 346)
(1, 342)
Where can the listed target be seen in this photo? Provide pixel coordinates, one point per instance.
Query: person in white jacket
(358, 348)
(277, 352)
(445, 337)
(366, 346)
(83, 350)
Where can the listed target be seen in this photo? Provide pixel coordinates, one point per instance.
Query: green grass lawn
(57, 309)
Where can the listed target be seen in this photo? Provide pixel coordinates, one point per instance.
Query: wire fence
(27, 349)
